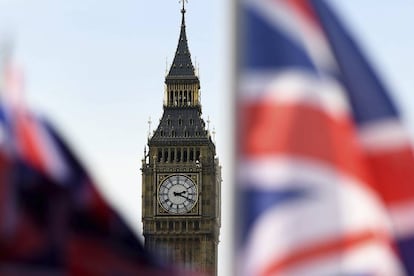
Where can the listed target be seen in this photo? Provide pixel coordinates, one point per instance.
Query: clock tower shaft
(181, 174)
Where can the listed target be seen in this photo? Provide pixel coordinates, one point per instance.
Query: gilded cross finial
(183, 1)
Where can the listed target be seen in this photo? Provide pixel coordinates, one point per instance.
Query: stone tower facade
(181, 175)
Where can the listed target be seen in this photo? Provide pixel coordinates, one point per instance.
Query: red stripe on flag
(28, 144)
(28, 239)
(270, 129)
(393, 173)
(305, 9)
(332, 247)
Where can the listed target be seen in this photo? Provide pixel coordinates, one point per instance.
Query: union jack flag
(53, 220)
(325, 170)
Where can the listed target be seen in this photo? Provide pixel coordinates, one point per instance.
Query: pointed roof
(182, 66)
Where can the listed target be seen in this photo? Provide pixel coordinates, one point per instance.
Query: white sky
(96, 69)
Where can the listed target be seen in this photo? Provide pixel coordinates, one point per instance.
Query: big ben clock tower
(181, 175)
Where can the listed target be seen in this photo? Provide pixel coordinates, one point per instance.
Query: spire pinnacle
(183, 12)
(183, 9)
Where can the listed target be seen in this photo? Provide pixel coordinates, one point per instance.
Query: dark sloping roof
(181, 124)
(182, 66)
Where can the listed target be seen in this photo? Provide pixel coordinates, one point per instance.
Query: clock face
(177, 194)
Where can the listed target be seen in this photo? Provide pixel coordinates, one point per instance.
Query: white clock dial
(177, 194)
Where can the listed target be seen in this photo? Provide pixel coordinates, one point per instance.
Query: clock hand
(179, 194)
(189, 199)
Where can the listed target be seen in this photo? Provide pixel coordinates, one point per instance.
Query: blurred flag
(53, 221)
(325, 170)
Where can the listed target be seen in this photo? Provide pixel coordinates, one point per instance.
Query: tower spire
(182, 66)
(182, 83)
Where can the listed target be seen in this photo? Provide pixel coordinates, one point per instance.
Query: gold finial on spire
(183, 1)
